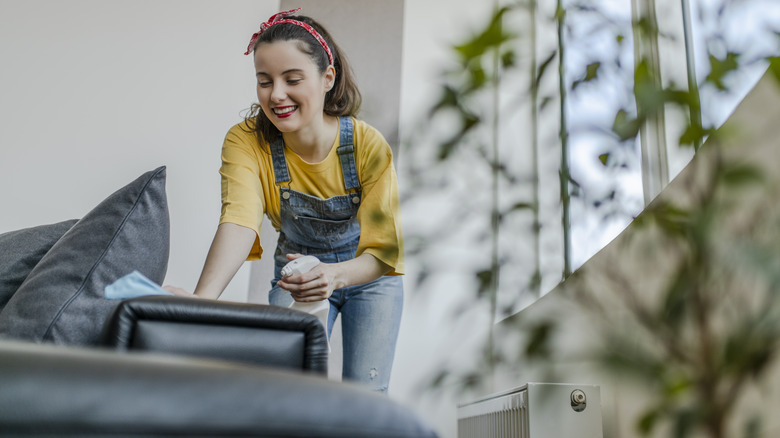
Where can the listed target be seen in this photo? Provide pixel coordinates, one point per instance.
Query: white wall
(93, 93)
(429, 335)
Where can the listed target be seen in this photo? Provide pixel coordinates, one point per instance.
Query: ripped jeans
(370, 320)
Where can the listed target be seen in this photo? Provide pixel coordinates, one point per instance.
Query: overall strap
(346, 151)
(280, 163)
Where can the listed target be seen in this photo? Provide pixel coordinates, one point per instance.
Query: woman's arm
(228, 252)
(319, 283)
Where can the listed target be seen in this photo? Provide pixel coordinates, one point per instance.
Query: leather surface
(254, 333)
(280, 348)
(50, 390)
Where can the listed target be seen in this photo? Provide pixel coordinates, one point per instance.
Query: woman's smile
(285, 111)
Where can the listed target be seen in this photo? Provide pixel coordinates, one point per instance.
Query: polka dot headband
(280, 18)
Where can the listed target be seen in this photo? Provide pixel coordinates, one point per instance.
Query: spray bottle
(301, 265)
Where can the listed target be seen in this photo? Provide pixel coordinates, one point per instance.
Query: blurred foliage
(697, 348)
(468, 102)
(474, 75)
(713, 327)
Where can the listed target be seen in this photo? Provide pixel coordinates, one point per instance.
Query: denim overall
(329, 230)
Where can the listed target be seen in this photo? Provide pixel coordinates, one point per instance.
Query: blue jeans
(329, 229)
(370, 320)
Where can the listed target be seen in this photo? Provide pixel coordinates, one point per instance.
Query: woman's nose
(278, 94)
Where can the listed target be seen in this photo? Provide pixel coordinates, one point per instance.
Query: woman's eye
(264, 84)
(293, 81)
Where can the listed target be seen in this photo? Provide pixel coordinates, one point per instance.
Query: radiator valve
(578, 400)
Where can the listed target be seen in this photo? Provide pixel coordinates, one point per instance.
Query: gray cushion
(62, 299)
(21, 250)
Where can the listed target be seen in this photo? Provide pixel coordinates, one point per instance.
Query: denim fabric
(329, 230)
(321, 225)
(370, 320)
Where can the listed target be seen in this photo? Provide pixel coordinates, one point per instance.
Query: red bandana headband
(279, 18)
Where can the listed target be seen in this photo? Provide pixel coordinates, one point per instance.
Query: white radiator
(534, 410)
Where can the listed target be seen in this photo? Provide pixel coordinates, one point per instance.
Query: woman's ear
(329, 75)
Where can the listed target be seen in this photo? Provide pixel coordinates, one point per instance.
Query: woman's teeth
(285, 110)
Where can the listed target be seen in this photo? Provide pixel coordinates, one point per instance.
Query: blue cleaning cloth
(132, 285)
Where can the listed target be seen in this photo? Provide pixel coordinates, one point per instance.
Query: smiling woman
(327, 183)
(315, 54)
(291, 92)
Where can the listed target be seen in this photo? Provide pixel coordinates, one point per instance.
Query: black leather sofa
(74, 362)
(173, 366)
(249, 333)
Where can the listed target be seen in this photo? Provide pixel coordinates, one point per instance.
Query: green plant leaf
(753, 427)
(740, 175)
(625, 126)
(519, 206)
(449, 99)
(774, 67)
(543, 67)
(560, 13)
(650, 97)
(685, 420)
(751, 344)
(720, 68)
(468, 122)
(673, 220)
(647, 26)
(522, 206)
(623, 355)
(484, 280)
(545, 101)
(591, 74)
(439, 379)
(604, 158)
(508, 59)
(539, 340)
(477, 77)
(648, 420)
(694, 134)
(492, 37)
(535, 282)
(677, 299)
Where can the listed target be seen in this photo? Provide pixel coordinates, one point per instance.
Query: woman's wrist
(362, 269)
(341, 276)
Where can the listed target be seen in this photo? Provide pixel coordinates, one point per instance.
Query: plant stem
(693, 85)
(564, 136)
(537, 275)
(495, 214)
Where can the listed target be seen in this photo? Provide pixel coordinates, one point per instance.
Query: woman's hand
(319, 283)
(316, 285)
(178, 291)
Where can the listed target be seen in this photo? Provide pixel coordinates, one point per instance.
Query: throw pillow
(62, 300)
(21, 250)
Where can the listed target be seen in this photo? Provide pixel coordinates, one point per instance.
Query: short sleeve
(379, 213)
(242, 194)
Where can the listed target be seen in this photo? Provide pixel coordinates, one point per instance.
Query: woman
(327, 183)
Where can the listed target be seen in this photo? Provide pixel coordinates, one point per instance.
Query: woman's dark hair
(343, 99)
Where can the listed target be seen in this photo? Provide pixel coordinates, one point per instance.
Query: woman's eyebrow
(292, 70)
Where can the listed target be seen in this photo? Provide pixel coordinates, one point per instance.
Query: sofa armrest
(55, 391)
(250, 333)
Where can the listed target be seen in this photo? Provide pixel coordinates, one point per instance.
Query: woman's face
(290, 90)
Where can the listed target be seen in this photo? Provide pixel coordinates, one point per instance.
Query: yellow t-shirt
(249, 188)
